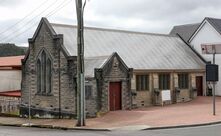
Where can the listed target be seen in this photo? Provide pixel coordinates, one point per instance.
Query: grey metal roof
(215, 22)
(185, 31)
(138, 50)
(94, 62)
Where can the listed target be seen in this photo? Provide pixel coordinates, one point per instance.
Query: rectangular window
(88, 92)
(164, 81)
(142, 82)
(183, 81)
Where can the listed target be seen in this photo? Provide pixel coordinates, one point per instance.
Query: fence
(9, 105)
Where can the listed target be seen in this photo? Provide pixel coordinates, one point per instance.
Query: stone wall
(91, 102)
(62, 98)
(148, 97)
(142, 98)
(115, 71)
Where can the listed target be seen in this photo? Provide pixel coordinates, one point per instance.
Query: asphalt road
(212, 130)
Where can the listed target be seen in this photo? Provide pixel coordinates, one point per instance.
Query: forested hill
(8, 49)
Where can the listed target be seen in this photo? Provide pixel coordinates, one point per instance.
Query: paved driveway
(194, 112)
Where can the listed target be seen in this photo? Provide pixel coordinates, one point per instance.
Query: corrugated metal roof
(185, 31)
(11, 61)
(93, 62)
(138, 50)
(13, 93)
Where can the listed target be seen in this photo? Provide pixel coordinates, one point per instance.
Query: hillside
(7, 49)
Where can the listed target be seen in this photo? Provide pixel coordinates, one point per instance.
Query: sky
(19, 18)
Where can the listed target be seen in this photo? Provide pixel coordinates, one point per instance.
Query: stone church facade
(112, 82)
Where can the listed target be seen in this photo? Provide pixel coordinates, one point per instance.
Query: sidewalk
(198, 111)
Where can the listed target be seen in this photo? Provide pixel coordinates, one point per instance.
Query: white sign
(211, 48)
(166, 95)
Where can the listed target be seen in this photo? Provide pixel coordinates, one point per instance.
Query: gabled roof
(45, 22)
(185, 31)
(188, 31)
(138, 50)
(12, 61)
(215, 22)
(99, 62)
(94, 62)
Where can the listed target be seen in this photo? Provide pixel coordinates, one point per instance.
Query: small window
(183, 81)
(164, 81)
(142, 82)
(88, 92)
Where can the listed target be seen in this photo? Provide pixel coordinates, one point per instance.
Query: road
(213, 130)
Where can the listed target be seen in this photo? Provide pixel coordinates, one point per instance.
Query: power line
(48, 15)
(30, 21)
(58, 8)
(12, 26)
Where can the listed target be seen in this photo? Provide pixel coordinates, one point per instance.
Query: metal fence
(9, 105)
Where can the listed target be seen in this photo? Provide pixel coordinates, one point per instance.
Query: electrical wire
(58, 8)
(27, 23)
(12, 26)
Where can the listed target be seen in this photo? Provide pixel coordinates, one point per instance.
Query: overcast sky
(19, 18)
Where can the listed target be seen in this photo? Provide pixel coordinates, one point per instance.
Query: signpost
(212, 49)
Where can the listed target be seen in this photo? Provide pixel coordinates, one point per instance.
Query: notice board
(166, 95)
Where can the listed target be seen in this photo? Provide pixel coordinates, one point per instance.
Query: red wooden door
(199, 85)
(115, 96)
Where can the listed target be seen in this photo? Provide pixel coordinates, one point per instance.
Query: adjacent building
(123, 70)
(10, 84)
(206, 32)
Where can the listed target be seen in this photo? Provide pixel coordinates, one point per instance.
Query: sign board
(212, 72)
(166, 96)
(211, 48)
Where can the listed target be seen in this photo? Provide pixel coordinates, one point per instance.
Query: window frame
(44, 86)
(164, 81)
(88, 97)
(142, 82)
(183, 80)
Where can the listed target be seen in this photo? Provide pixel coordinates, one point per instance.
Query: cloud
(140, 15)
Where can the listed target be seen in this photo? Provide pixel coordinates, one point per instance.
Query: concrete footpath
(193, 113)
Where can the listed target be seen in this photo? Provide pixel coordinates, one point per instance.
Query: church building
(123, 70)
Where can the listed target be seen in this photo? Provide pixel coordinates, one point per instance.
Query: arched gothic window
(38, 76)
(44, 74)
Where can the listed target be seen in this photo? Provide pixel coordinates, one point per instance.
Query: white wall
(207, 34)
(10, 80)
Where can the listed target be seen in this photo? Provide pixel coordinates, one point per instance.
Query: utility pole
(214, 85)
(80, 65)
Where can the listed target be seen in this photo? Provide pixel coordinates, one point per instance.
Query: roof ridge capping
(12, 56)
(189, 24)
(212, 18)
(94, 57)
(113, 30)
